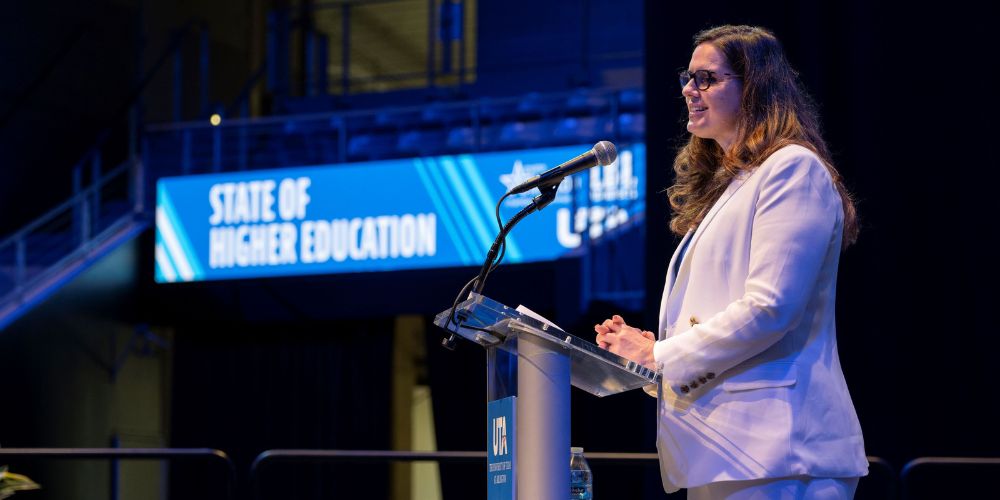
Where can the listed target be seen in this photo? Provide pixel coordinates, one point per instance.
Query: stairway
(50, 251)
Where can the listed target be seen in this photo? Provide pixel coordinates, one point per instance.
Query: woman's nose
(689, 89)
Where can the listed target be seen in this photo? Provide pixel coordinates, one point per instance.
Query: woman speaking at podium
(753, 402)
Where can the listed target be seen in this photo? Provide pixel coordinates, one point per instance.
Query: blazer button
(694, 384)
(710, 375)
(693, 320)
(703, 380)
(685, 389)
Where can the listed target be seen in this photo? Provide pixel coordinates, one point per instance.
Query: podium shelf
(594, 370)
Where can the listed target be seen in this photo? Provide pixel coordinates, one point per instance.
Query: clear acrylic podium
(538, 362)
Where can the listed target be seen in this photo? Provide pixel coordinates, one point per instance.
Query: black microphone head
(605, 152)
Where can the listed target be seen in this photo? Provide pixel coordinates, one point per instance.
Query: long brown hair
(774, 112)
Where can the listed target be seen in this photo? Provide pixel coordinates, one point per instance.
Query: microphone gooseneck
(603, 153)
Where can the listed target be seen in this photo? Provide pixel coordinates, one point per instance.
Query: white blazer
(752, 385)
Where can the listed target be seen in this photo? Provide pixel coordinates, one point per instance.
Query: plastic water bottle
(581, 480)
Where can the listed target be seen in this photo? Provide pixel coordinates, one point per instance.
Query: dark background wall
(68, 67)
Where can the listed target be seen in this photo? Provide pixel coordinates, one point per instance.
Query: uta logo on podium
(500, 436)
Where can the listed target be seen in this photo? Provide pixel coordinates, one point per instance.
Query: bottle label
(581, 486)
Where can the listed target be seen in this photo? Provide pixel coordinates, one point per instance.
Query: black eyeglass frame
(701, 76)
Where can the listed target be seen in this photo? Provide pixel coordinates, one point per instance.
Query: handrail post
(342, 138)
(20, 262)
(345, 50)
(309, 61)
(217, 148)
(204, 67)
(431, 37)
(242, 147)
(81, 209)
(186, 151)
(461, 45)
(477, 124)
(115, 469)
(278, 75)
(138, 186)
(133, 130)
(95, 182)
(178, 84)
(84, 203)
(322, 58)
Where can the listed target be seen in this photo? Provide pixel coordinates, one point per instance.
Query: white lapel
(734, 186)
(680, 283)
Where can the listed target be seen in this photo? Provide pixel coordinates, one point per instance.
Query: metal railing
(270, 457)
(377, 456)
(951, 469)
(880, 483)
(879, 471)
(128, 454)
(39, 256)
(879, 467)
(41, 251)
(531, 120)
(322, 27)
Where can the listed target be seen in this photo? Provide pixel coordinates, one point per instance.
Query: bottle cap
(576, 449)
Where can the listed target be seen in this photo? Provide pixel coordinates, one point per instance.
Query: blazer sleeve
(795, 222)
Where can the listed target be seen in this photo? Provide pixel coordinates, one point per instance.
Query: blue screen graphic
(415, 213)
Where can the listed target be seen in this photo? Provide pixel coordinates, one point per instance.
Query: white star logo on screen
(516, 176)
(520, 173)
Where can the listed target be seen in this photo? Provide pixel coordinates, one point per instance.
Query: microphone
(603, 153)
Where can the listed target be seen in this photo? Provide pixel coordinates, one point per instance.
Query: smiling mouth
(697, 110)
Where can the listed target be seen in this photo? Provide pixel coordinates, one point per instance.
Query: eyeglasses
(703, 78)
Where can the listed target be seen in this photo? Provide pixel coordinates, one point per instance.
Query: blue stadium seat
(524, 134)
(530, 106)
(421, 142)
(362, 147)
(534, 106)
(465, 140)
(493, 111)
(407, 120)
(631, 101)
(380, 121)
(461, 139)
(439, 114)
(632, 125)
(384, 121)
(439, 126)
(584, 102)
(409, 142)
(588, 128)
(308, 142)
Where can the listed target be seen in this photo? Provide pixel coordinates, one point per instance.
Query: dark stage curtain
(245, 389)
